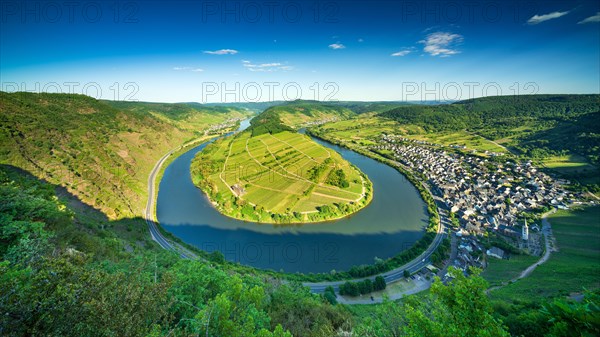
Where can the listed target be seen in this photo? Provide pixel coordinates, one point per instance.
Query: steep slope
(186, 116)
(100, 151)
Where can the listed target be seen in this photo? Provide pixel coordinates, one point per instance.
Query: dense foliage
(459, 309)
(52, 284)
(267, 122)
(363, 287)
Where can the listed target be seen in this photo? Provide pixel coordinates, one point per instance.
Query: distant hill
(189, 116)
(252, 106)
(297, 114)
(101, 151)
(532, 125)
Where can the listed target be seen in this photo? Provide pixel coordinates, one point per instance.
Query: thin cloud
(335, 46)
(402, 52)
(534, 20)
(591, 19)
(441, 44)
(266, 67)
(188, 69)
(221, 52)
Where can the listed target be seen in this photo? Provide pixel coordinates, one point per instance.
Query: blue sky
(211, 51)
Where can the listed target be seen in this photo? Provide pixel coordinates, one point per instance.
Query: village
(218, 128)
(484, 197)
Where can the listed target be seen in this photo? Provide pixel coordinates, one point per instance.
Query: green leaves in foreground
(460, 309)
(574, 319)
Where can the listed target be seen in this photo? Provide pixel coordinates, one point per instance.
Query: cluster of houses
(319, 122)
(215, 129)
(484, 195)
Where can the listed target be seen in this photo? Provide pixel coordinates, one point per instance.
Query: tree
(379, 283)
(365, 287)
(305, 314)
(329, 295)
(239, 311)
(65, 298)
(350, 289)
(217, 257)
(406, 273)
(574, 318)
(460, 309)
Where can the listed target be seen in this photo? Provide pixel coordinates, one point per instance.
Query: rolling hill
(297, 114)
(101, 151)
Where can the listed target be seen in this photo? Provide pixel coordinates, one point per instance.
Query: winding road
(149, 212)
(318, 287)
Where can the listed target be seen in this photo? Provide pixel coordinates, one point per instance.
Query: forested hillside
(534, 126)
(267, 122)
(300, 113)
(101, 151)
(292, 115)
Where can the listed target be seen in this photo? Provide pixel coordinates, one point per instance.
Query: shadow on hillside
(90, 224)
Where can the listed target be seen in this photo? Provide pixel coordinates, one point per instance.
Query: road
(547, 231)
(150, 208)
(397, 273)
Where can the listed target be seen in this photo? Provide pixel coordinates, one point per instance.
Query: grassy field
(285, 177)
(574, 267)
(366, 128)
(499, 271)
(569, 164)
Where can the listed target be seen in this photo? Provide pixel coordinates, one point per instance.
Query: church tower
(525, 231)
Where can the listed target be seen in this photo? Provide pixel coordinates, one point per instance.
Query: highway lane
(150, 209)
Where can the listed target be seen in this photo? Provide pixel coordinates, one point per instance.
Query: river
(391, 223)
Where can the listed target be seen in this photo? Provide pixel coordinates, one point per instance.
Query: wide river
(391, 223)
